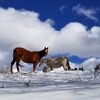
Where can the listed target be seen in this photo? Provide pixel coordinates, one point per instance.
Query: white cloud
(25, 29)
(51, 22)
(62, 8)
(76, 39)
(89, 13)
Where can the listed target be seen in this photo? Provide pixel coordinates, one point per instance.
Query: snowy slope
(57, 84)
(90, 63)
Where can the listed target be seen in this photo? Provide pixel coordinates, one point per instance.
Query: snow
(90, 63)
(55, 85)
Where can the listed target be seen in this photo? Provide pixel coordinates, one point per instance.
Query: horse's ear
(46, 48)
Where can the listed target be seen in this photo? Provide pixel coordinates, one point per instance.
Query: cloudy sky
(67, 27)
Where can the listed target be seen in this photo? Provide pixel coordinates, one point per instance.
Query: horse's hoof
(11, 72)
(35, 72)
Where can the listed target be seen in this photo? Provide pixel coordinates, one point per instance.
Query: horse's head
(46, 51)
(46, 69)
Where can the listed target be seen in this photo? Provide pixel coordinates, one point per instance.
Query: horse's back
(19, 52)
(20, 49)
(57, 62)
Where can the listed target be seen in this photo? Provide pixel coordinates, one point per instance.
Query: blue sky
(62, 12)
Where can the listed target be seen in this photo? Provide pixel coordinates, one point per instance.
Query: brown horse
(27, 57)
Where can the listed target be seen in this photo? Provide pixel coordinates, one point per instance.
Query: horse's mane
(41, 53)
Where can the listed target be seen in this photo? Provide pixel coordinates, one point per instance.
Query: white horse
(55, 63)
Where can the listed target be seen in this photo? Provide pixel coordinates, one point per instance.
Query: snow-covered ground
(55, 85)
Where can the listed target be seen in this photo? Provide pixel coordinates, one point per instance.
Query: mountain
(90, 63)
(73, 65)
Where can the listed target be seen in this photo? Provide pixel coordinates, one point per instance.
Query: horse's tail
(67, 63)
(21, 65)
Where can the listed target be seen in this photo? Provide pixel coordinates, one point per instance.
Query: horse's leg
(17, 63)
(51, 68)
(68, 65)
(34, 67)
(65, 67)
(12, 63)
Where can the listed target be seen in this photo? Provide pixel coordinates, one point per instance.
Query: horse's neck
(41, 53)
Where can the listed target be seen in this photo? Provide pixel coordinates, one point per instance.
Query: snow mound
(90, 63)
